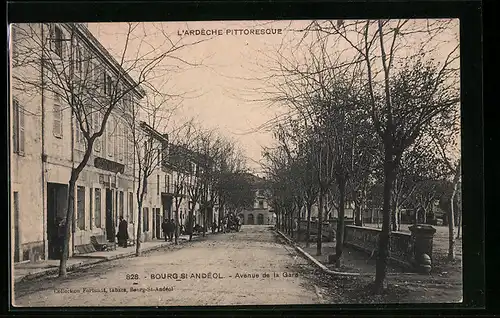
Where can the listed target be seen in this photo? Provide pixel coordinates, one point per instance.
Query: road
(181, 276)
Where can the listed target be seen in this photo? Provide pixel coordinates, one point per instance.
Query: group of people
(168, 228)
(230, 222)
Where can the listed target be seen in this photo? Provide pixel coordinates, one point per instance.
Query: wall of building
(26, 177)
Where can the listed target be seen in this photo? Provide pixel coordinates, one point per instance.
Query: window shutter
(116, 138)
(21, 130)
(96, 129)
(109, 144)
(57, 116)
(15, 126)
(13, 42)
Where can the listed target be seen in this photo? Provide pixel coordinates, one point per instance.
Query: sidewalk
(26, 271)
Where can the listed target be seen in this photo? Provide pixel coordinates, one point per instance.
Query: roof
(155, 133)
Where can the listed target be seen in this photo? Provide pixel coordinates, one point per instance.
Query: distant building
(261, 213)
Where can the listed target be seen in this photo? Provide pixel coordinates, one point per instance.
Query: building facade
(47, 144)
(261, 213)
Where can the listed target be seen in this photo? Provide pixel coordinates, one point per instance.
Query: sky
(217, 79)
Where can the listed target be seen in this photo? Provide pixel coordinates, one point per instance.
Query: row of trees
(373, 107)
(65, 63)
(207, 170)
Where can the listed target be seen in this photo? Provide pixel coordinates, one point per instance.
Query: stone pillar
(422, 238)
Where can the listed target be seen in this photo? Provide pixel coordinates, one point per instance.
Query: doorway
(260, 219)
(166, 202)
(56, 213)
(110, 224)
(158, 223)
(250, 219)
(17, 245)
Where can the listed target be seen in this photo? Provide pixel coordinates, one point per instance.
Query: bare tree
(61, 61)
(67, 61)
(401, 105)
(180, 141)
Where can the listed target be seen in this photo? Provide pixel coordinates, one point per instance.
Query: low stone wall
(366, 239)
(328, 231)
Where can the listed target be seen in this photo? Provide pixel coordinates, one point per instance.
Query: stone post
(422, 238)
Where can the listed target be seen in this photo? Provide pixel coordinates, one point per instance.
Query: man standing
(172, 230)
(122, 233)
(164, 227)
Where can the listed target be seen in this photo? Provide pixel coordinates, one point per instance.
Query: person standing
(172, 230)
(164, 227)
(122, 233)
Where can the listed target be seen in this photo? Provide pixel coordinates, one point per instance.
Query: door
(250, 219)
(260, 219)
(158, 223)
(16, 227)
(110, 226)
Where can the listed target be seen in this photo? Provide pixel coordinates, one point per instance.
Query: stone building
(46, 142)
(261, 213)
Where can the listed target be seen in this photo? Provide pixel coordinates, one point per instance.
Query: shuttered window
(18, 128)
(57, 116)
(97, 126)
(109, 145)
(97, 214)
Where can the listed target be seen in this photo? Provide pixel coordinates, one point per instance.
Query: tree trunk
(139, 229)
(177, 226)
(393, 215)
(459, 223)
(190, 223)
(319, 239)
(340, 224)
(384, 236)
(68, 225)
(451, 219)
(298, 225)
(204, 216)
(308, 233)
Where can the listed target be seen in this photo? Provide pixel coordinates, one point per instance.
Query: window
(109, 145)
(145, 220)
(91, 207)
(117, 201)
(79, 138)
(104, 87)
(56, 35)
(13, 43)
(121, 141)
(78, 61)
(131, 207)
(80, 207)
(18, 128)
(121, 204)
(97, 124)
(125, 144)
(116, 139)
(261, 204)
(57, 129)
(166, 184)
(158, 184)
(97, 214)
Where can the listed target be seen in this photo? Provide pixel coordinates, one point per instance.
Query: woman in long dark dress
(122, 232)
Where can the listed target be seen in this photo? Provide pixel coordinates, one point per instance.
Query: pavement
(28, 270)
(250, 267)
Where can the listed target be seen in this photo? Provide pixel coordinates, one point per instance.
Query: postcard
(211, 163)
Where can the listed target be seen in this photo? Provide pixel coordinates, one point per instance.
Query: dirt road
(246, 268)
